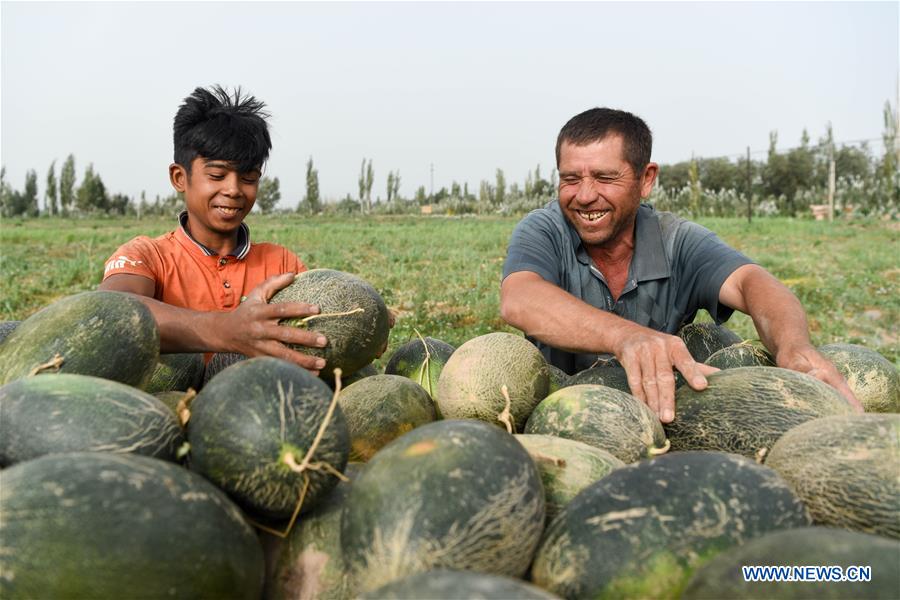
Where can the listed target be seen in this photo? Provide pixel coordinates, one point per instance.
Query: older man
(599, 272)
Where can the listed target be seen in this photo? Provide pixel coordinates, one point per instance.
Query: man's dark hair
(595, 124)
(215, 125)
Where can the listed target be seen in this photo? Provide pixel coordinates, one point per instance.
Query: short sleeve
(293, 264)
(535, 246)
(704, 263)
(137, 257)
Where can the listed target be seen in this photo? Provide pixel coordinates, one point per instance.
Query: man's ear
(648, 179)
(178, 177)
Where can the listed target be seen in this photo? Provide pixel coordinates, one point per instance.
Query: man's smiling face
(599, 193)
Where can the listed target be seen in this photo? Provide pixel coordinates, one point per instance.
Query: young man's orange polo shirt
(189, 275)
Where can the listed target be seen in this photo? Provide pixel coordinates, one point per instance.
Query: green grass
(442, 275)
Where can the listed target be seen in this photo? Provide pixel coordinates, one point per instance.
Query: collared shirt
(188, 274)
(678, 267)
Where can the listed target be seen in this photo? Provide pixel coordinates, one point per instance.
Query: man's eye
(216, 176)
(250, 180)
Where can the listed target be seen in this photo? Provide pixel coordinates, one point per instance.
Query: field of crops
(441, 275)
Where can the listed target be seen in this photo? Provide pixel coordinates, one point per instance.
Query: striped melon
(601, 417)
(744, 354)
(470, 386)
(110, 526)
(746, 409)
(218, 362)
(703, 339)
(874, 380)
(641, 530)
(846, 469)
(450, 494)
(446, 584)
(71, 413)
(176, 372)
(424, 367)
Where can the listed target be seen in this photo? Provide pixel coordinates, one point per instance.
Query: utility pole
(749, 188)
(831, 182)
(431, 194)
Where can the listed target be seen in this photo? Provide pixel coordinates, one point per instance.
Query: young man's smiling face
(599, 193)
(218, 198)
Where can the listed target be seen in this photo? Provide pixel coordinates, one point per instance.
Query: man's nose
(230, 185)
(586, 192)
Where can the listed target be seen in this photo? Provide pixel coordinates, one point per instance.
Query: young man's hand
(252, 328)
(648, 357)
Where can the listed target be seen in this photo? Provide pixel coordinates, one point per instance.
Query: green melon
(105, 334)
(641, 530)
(558, 379)
(703, 339)
(381, 408)
(610, 374)
(354, 340)
(744, 354)
(71, 413)
(821, 547)
(601, 417)
(470, 386)
(309, 562)
(874, 380)
(458, 494)
(247, 420)
(367, 371)
(446, 584)
(566, 467)
(176, 372)
(218, 362)
(173, 399)
(6, 328)
(745, 409)
(409, 360)
(99, 525)
(846, 469)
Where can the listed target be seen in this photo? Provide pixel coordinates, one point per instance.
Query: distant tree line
(784, 183)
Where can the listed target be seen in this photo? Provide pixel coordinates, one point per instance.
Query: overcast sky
(468, 87)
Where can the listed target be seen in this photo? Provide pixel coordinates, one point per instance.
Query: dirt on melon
(566, 467)
(422, 360)
(252, 421)
(104, 334)
(602, 417)
(875, 381)
(100, 525)
(822, 547)
(846, 469)
(353, 317)
(746, 409)
(471, 384)
(640, 531)
(457, 494)
(381, 408)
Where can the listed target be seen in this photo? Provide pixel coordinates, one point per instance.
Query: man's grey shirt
(678, 267)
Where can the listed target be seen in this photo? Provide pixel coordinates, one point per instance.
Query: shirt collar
(649, 260)
(240, 250)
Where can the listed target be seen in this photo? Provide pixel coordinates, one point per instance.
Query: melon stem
(658, 451)
(425, 371)
(54, 363)
(183, 408)
(339, 314)
(505, 416)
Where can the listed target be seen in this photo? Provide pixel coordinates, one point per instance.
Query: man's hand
(648, 357)
(252, 328)
(807, 359)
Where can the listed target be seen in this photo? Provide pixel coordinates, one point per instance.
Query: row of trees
(783, 183)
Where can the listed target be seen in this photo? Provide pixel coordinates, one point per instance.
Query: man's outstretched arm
(251, 329)
(781, 323)
(552, 315)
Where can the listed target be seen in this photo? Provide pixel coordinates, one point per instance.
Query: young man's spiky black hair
(215, 125)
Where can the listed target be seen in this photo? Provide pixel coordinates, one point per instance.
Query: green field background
(441, 275)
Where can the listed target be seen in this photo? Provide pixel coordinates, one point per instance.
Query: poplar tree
(50, 194)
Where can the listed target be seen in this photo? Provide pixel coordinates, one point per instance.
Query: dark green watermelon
(471, 384)
(641, 530)
(445, 584)
(451, 494)
(702, 339)
(819, 547)
(874, 380)
(601, 417)
(105, 334)
(746, 409)
(610, 374)
(745, 354)
(110, 526)
(218, 362)
(367, 371)
(6, 328)
(558, 379)
(176, 372)
(381, 408)
(354, 340)
(409, 360)
(846, 469)
(309, 562)
(71, 413)
(248, 418)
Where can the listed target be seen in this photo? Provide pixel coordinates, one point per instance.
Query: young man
(600, 272)
(193, 278)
